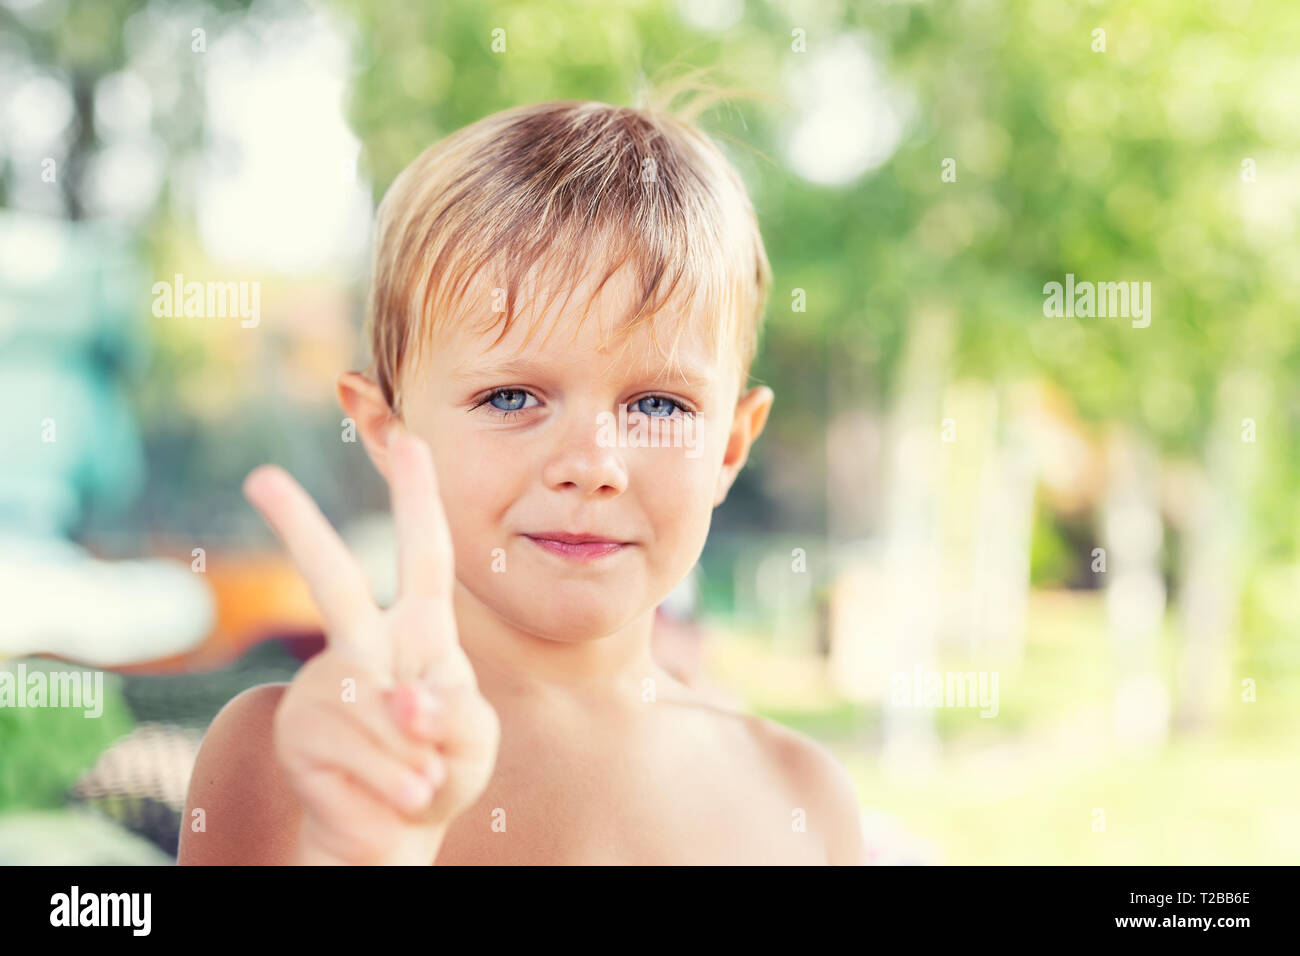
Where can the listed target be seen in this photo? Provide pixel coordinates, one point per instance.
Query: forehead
(584, 325)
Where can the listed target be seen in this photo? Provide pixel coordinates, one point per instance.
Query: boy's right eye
(509, 400)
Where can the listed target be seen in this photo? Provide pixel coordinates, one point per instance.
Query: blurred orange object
(258, 595)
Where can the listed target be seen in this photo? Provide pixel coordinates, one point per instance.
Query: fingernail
(416, 792)
(435, 771)
(427, 710)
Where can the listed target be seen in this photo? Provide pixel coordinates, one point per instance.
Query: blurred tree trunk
(82, 147)
(1135, 591)
(913, 540)
(1211, 577)
(1000, 566)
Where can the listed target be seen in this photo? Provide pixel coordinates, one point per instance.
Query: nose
(582, 460)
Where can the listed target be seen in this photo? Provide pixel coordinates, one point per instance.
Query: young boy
(505, 709)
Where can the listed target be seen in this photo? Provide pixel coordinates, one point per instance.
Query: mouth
(578, 547)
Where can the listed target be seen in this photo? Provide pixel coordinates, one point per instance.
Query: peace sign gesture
(384, 735)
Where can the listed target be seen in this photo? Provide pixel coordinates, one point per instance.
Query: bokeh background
(1100, 516)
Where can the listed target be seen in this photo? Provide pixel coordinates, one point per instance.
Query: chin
(575, 615)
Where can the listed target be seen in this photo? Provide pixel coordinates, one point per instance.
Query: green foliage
(1051, 562)
(44, 750)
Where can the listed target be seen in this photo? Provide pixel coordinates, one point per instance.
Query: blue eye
(508, 399)
(505, 401)
(658, 406)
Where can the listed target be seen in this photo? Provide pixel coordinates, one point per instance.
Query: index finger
(332, 574)
(425, 565)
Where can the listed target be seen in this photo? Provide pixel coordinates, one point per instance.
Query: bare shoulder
(249, 813)
(821, 783)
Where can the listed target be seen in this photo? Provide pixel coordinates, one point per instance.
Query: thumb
(416, 708)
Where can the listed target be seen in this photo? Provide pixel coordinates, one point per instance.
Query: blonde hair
(565, 184)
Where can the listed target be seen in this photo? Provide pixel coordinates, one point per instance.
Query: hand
(384, 735)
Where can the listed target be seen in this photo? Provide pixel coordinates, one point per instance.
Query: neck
(508, 659)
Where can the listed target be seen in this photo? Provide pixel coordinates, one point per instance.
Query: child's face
(537, 449)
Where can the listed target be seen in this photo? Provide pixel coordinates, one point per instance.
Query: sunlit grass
(1032, 785)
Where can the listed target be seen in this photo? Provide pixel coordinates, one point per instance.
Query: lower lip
(589, 551)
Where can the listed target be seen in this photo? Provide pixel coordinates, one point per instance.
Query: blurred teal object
(73, 300)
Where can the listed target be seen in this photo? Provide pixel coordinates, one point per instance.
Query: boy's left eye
(657, 406)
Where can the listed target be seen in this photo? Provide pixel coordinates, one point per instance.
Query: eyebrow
(465, 373)
(694, 376)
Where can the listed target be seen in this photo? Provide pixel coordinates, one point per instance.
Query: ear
(751, 415)
(362, 400)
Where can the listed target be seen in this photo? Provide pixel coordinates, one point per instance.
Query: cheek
(476, 490)
(678, 503)
(676, 493)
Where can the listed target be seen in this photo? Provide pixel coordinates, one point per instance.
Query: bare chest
(649, 801)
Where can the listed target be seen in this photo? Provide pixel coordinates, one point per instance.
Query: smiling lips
(577, 547)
